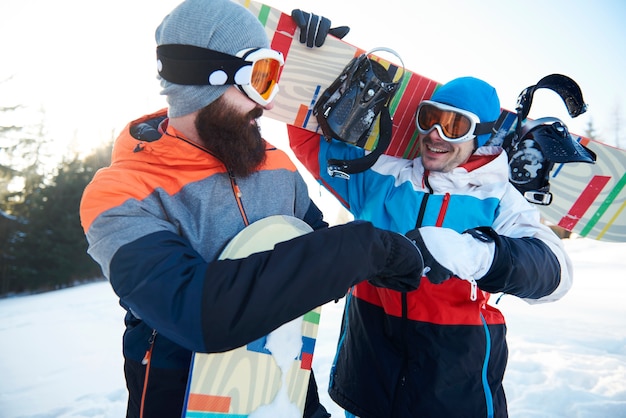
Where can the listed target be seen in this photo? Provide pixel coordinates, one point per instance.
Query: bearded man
(183, 182)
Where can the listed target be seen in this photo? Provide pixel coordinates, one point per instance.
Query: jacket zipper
(484, 378)
(233, 180)
(405, 355)
(473, 290)
(146, 362)
(237, 193)
(443, 210)
(440, 217)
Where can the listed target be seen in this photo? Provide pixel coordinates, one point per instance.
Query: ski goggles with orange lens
(453, 124)
(254, 71)
(261, 85)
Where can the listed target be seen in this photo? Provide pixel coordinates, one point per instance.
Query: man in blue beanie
(187, 179)
(440, 350)
(468, 94)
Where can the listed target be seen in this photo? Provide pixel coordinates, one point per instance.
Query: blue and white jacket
(439, 351)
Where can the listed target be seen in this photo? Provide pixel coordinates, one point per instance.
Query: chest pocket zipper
(473, 290)
(238, 194)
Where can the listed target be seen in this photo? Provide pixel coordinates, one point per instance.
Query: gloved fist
(446, 252)
(314, 28)
(404, 267)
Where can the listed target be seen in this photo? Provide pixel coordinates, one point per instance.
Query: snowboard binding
(536, 145)
(350, 106)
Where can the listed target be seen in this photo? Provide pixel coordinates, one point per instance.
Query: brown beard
(229, 136)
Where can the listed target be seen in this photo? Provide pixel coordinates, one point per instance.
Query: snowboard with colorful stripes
(269, 376)
(308, 71)
(588, 199)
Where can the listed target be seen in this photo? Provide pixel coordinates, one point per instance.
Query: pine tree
(50, 251)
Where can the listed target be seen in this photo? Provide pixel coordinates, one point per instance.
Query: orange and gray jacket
(158, 217)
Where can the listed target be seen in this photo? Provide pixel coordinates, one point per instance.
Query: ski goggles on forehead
(255, 71)
(452, 124)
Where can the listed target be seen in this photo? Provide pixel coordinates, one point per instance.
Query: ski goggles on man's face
(254, 71)
(453, 124)
(261, 83)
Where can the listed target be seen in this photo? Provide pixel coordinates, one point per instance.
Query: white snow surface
(60, 352)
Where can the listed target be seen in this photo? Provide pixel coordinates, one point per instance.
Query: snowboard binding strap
(349, 108)
(536, 145)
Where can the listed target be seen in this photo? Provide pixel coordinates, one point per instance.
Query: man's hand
(446, 253)
(404, 265)
(314, 28)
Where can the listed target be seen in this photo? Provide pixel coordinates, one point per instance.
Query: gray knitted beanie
(220, 25)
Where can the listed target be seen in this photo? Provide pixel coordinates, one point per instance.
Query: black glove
(404, 267)
(435, 272)
(468, 256)
(314, 28)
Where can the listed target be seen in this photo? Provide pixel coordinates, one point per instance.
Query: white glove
(446, 252)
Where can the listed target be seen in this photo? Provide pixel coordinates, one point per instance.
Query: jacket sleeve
(306, 146)
(314, 217)
(313, 151)
(530, 260)
(216, 306)
(524, 267)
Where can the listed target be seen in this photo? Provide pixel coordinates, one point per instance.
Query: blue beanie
(220, 25)
(473, 95)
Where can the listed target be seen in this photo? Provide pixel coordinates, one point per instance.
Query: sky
(85, 69)
(60, 352)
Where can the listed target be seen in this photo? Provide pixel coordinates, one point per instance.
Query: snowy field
(60, 352)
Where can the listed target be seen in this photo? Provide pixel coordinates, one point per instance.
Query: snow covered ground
(60, 352)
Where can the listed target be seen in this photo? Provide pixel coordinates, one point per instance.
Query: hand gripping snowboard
(589, 199)
(267, 375)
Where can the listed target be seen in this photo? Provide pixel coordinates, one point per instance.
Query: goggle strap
(484, 128)
(191, 65)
